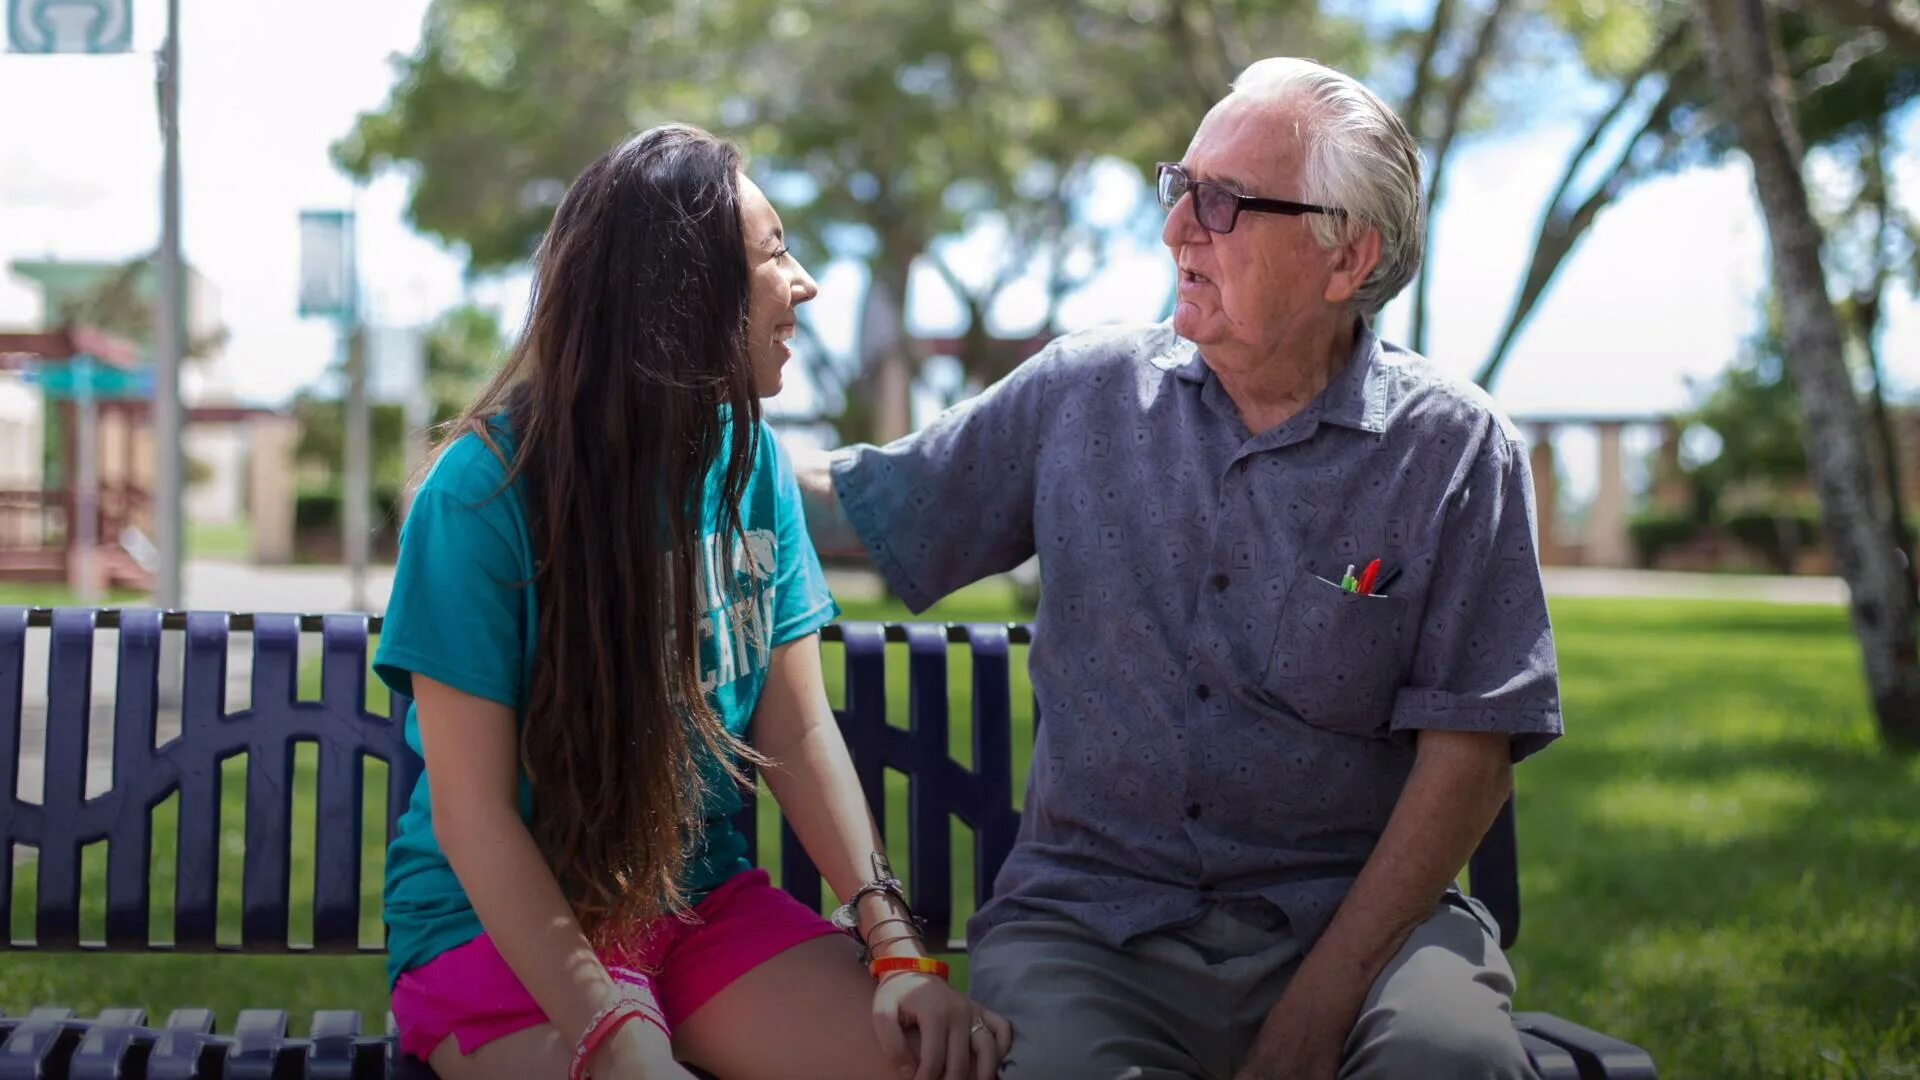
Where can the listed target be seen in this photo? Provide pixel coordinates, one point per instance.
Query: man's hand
(1305, 1036)
(832, 533)
(1458, 782)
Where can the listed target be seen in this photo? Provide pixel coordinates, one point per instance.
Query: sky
(1662, 290)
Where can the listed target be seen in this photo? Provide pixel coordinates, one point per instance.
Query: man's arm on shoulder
(833, 534)
(944, 506)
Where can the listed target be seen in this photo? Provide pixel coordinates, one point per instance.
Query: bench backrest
(347, 734)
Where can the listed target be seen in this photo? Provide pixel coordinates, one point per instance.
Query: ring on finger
(978, 1027)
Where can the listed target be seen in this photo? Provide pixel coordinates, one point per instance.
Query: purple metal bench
(52, 1043)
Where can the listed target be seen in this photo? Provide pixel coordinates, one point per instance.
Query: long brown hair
(618, 396)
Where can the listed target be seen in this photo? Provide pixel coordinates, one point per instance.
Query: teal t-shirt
(462, 614)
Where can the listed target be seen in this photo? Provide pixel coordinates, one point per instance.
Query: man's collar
(1356, 398)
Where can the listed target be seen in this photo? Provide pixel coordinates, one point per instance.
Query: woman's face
(776, 287)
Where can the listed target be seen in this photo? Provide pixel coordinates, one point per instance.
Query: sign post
(169, 332)
(329, 288)
(70, 26)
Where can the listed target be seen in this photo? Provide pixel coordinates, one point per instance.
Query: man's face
(1242, 291)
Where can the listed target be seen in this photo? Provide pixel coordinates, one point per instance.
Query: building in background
(239, 457)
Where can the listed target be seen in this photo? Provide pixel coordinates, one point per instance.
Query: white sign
(326, 264)
(396, 364)
(70, 26)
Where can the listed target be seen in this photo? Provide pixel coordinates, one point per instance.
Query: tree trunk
(1867, 325)
(1414, 112)
(1743, 47)
(1866, 320)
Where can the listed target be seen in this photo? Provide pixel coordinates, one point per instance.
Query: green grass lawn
(1720, 863)
(31, 594)
(232, 541)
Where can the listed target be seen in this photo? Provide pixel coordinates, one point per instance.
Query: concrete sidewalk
(1593, 581)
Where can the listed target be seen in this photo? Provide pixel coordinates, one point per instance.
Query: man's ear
(1353, 263)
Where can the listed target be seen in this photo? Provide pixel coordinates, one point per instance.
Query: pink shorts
(470, 993)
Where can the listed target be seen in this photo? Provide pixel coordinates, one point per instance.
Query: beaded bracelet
(898, 965)
(607, 1021)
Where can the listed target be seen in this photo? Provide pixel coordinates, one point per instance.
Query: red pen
(1367, 578)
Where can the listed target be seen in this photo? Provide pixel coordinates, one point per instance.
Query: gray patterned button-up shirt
(1220, 722)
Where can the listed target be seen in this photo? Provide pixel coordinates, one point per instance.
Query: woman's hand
(957, 1039)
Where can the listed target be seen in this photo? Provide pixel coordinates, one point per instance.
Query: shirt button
(1193, 810)
(1220, 582)
(1203, 691)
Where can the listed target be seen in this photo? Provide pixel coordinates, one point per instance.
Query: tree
(1754, 416)
(880, 126)
(1459, 93)
(1744, 51)
(463, 349)
(1890, 17)
(1845, 80)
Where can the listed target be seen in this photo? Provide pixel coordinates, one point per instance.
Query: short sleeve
(953, 502)
(1485, 660)
(457, 612)
(802, 603)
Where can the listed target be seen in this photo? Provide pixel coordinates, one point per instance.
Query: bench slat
(335, 1045)
(932, 787)
(56, 921)
(136, 785)
(259, 1042)
(202, 712)
(1550, 1060)
(1597, 1055)
(30, 1051)
(265, 883)
(864, 720)
(266, 869)
(184, 1045)
(994, 820)
(13, 667)
(108, 1044)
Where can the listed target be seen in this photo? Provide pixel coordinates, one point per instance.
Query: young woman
(605, 584)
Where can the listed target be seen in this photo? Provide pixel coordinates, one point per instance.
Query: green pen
(1347, 582)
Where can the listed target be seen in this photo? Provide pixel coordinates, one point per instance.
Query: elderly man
(1262, 761)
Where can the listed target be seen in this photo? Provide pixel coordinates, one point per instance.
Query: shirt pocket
(1338, 657)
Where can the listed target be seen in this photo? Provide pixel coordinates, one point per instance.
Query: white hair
(1361, 158)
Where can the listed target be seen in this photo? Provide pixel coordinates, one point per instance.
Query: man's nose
(1182, 226)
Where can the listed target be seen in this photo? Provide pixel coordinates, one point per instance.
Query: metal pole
(419, 420)
(86, 484)
(169, 325)
(355, 517)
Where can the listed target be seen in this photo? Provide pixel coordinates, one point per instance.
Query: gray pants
(1188, 1002)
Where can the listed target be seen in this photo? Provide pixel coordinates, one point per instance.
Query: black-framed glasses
(1217, 208)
